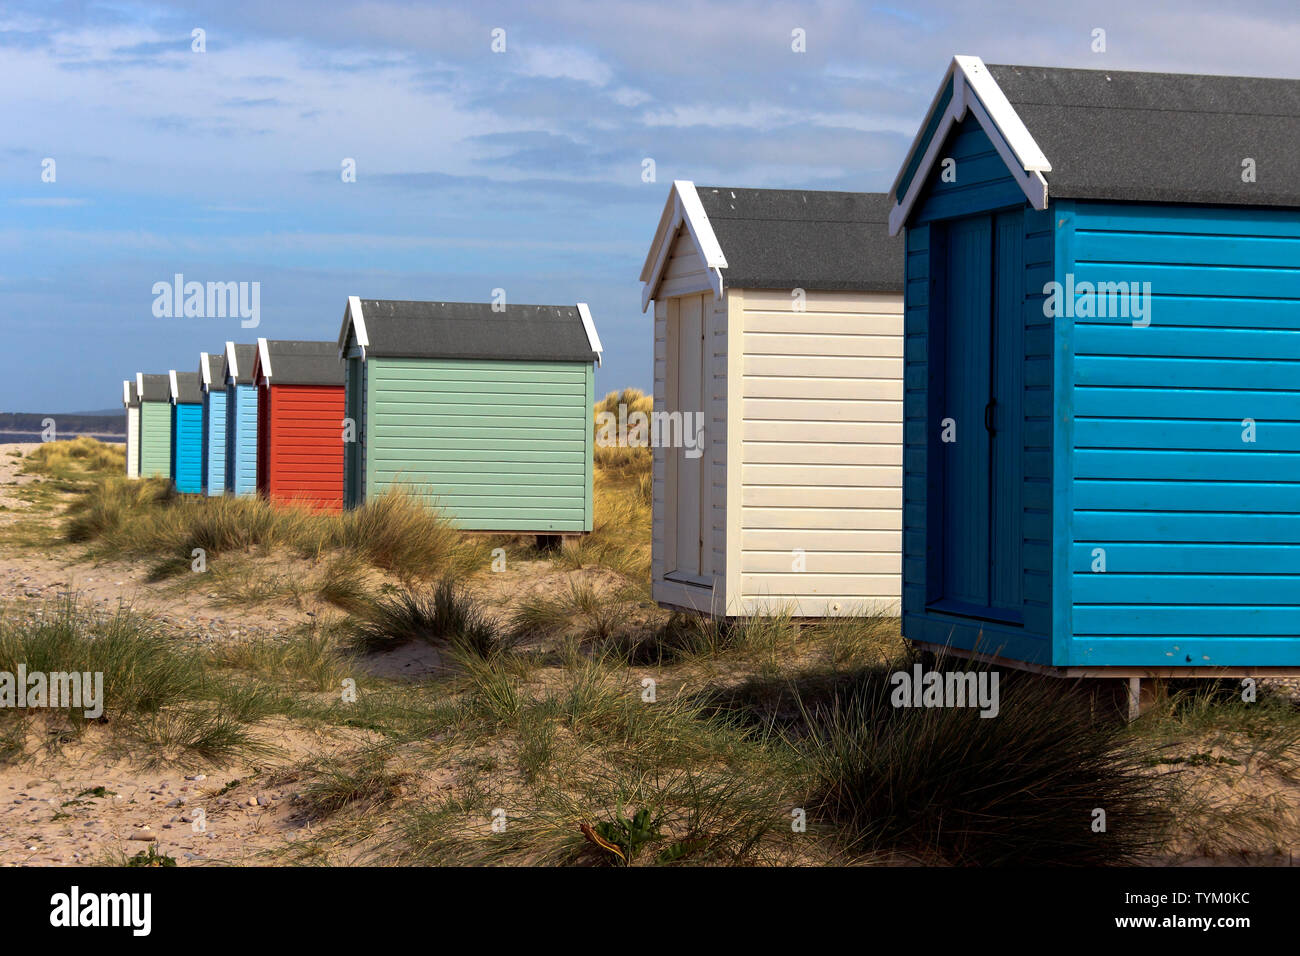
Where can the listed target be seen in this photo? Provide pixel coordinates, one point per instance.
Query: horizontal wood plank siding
(1199, 529)
(155, 440)
(187, 447)
(498, 445)
(241, 439)
(214, 462)
(305, 445)
(821, 403)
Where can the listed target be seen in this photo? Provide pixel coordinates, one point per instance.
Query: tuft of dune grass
(445, 617)
(394, 532)
(159, 701)
(83, 454)
(943, 784)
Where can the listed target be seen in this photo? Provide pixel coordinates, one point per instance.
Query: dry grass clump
(82, 454)
(621, 460)
(395, 531)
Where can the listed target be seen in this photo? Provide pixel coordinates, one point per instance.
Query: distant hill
(26, 426)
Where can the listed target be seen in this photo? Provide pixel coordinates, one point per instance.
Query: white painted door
(692, 496)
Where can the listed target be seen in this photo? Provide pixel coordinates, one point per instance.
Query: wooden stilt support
(1134, 698)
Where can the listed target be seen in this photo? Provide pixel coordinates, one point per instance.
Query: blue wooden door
(964, 443)
(980, 446)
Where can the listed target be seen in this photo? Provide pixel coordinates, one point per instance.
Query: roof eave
(264, 360)
(232, 367)
(683, 206)
(973, 90)
(589, 326)
(355, 319)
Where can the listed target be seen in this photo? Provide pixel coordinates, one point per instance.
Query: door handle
(988, 416)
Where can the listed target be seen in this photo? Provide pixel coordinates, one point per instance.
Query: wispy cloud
(50, 202)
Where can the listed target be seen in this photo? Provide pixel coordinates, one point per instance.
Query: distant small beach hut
(155, 425)
(187, 432)
(487, 413)
(241, 419)
(300, 422)
(212, 374)
(131, 402)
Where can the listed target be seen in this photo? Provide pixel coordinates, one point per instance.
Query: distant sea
(13, 438)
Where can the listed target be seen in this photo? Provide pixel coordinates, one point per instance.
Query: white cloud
(558, 62)
(626, 96)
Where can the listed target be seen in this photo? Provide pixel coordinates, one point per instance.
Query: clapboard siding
(214, 444)
(982, 185)
(241, 439)
(133, 441)
(187, 447)
(492, 465)
(821, 452)
(659, 456)
(155, 440)
(1198, 527)
(715, 433)
(981, 180)
(685, 272)
(304, 444)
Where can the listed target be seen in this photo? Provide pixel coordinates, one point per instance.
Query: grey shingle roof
(801, 238)
(245, 358)
(304, 363)
(189, 388)
(157, 388)
(1160, 137)
(472, 330)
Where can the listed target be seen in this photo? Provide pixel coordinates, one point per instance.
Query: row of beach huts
(1042, 397)
(485, 411)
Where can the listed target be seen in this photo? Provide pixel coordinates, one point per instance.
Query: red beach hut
(300, 422)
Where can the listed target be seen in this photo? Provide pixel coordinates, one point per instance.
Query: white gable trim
(139, 385)
(352, 316)
(264, 354)
(975, 90)
(683, 207)
(126, 392)
(589, 327)
(232, 367)
(176, 389)
(205, 370)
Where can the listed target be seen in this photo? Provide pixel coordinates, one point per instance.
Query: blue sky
(476, 170)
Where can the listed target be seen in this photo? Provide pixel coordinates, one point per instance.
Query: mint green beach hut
(486, 413)
(155, 425)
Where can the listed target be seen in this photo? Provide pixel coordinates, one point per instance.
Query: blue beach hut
(187, 432)
(212, 374)
(241, 419)
(1102, 371)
